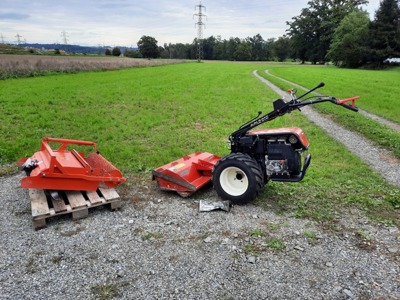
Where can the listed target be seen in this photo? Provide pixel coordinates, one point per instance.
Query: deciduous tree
(148, 47)
(349, 43)
(312, 31)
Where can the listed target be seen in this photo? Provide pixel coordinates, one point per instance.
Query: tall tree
(243, 52)
(148, 47)
(349, 43)
(231, 47)
(385, 32)
(257, 47)
(281, 48)
(312, 31)
(269, 47)
(220, 49)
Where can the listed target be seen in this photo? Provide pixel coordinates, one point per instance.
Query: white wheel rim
(234, 181)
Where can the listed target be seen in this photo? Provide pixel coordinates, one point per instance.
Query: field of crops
(19, 66)
(145, 117)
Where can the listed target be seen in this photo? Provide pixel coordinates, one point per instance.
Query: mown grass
(145, 118)
(339, 83)
(379, 89)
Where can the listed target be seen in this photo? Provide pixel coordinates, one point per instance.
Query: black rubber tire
(237, 177)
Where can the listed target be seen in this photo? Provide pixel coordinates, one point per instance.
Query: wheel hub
(234, 181)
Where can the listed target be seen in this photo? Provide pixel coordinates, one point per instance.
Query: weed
(311, 237)
(56, 259)
(8, 169)
(276, 244)
(21, 213)
(257, 232)
(253, 249)
(364, 241)
(30, 265)
(362, 235)
(150, 235)
(105, 291)
(273, 226)
(72, 232)
(310, 234)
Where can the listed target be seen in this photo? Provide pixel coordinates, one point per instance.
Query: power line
(200, 26)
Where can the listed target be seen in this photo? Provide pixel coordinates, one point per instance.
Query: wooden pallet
(76, 203)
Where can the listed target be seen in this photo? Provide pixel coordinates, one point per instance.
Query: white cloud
(121, 22)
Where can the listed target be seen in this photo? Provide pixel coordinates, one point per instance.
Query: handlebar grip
(352, 106)
(348, 106)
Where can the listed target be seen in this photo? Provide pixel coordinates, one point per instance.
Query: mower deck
(187, 174)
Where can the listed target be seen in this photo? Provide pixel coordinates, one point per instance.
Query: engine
(277, 150)
(282, 160)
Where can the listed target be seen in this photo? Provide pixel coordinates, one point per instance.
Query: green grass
(141, 118)
(144, 118)
(340, 83)
(379, 90)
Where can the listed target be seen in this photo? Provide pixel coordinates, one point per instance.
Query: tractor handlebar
(341, 102)
(281, 108)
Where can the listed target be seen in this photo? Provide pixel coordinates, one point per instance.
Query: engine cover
(300, 141)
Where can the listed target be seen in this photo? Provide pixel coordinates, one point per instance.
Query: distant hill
(40, 48)
(11, 49)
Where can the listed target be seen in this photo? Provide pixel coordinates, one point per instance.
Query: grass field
(379, 89)
(144, 118)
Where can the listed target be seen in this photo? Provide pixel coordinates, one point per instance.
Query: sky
(124, 22)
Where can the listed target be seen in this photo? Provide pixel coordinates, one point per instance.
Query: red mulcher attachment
(187, 174)
(68, 170)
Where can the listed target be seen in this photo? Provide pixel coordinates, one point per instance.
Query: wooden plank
(94, 198)
(75, 199)
(80, 213)
(59, 205)
(109, 194)
(37, 224)
(115, 204)
(39, 203)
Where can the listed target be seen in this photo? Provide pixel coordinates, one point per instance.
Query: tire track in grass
(378, 159)
(374, 117)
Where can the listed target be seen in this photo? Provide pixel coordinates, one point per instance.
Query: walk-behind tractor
(256, 156)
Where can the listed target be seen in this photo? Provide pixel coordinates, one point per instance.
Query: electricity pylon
(200, 26)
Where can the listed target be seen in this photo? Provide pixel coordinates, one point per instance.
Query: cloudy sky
(123, 22)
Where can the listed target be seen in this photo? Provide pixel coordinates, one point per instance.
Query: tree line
(337, 31)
